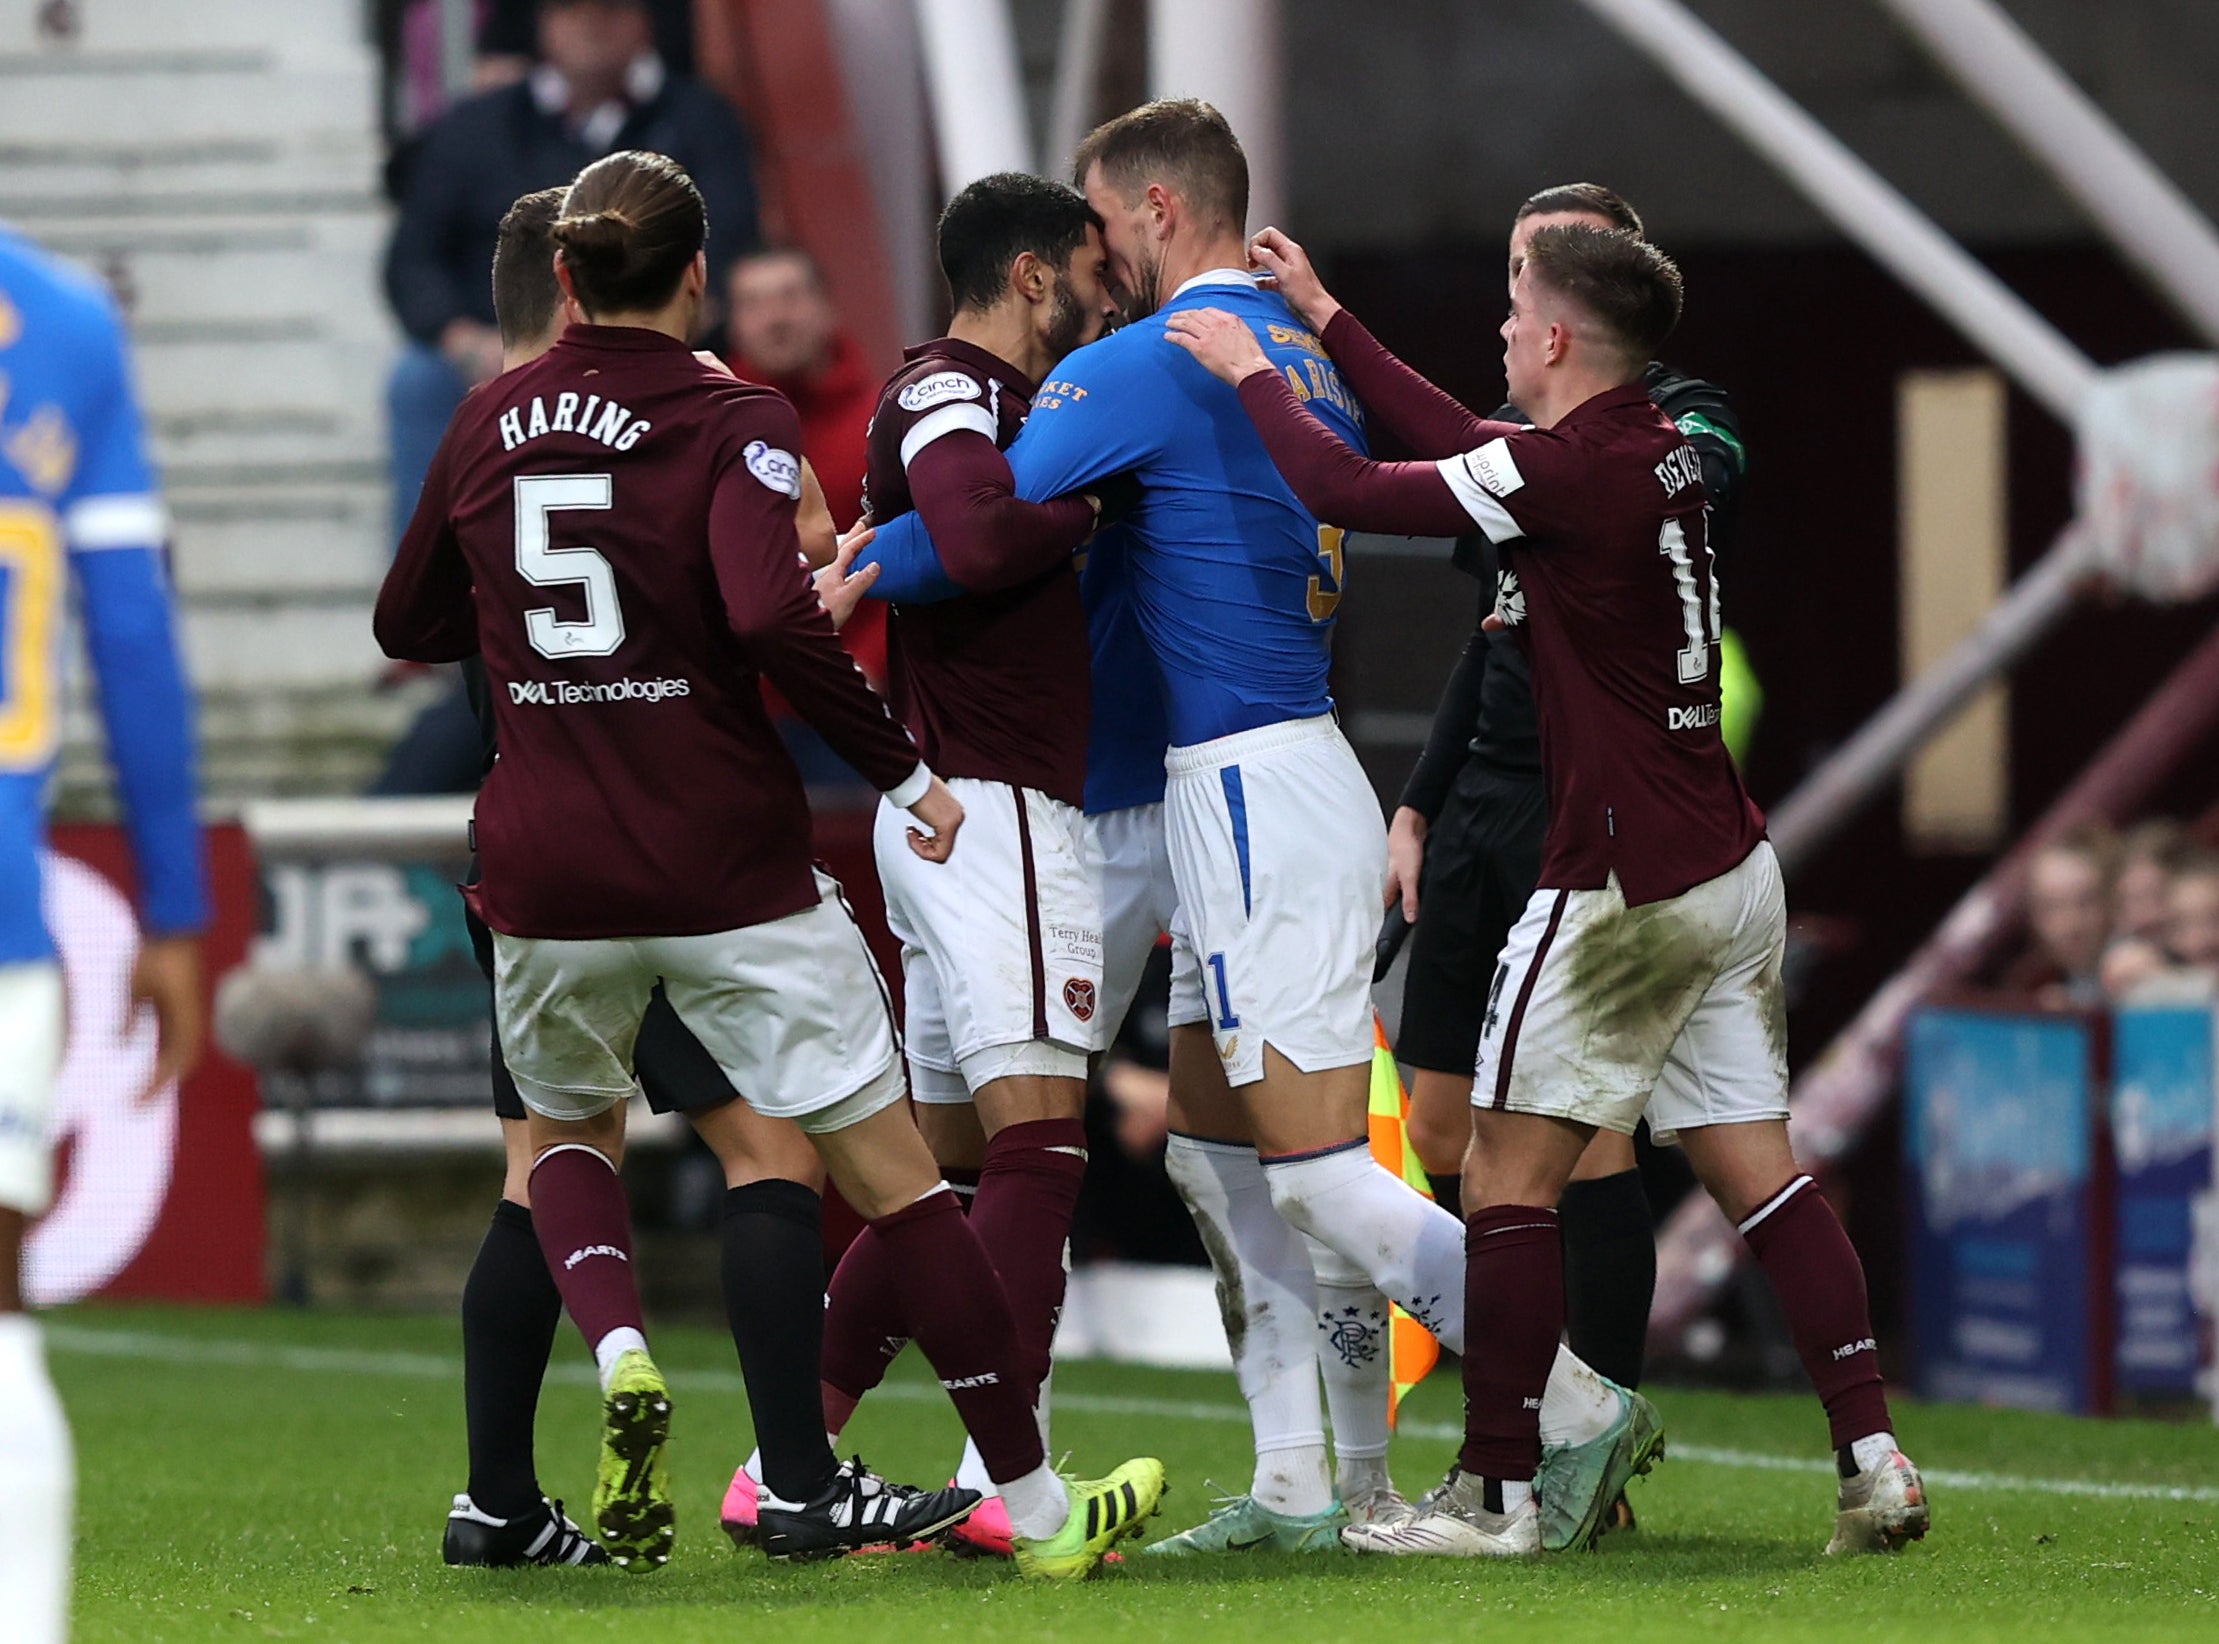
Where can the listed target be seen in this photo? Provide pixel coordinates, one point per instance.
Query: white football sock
(1408, 1246)
(1353, 1325)
(971, 1473)
(1577, 1405)
(1038, 1503)
(1268, 1299)
(1871, 1450)
(36, 1506)
(613, 1346)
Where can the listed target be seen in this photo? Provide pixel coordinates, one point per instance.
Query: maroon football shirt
(995, 683)
(1607, 583)
(612, 528)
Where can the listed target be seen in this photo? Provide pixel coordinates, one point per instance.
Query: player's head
(1165, 170)
(1034, 246)
(1589, 306)
(1589, 205)
(527, 300)
(783, 320)
(630, 239)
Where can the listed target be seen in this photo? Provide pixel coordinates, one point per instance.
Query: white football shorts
(30, 1056)
(1280, 858)
(1001, 944)
(1140, 907)
(1599, 1012)
(794, 1011)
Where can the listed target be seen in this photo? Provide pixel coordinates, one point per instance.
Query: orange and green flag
(1411, 1349)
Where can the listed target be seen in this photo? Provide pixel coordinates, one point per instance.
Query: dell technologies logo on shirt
(563, 693)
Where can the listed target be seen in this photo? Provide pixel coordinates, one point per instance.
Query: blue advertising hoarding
(2161, 1122)
(2000, 1142)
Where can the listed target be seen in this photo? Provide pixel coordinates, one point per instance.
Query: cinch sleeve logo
(938, 389)
(777, 469)
(1494, 467)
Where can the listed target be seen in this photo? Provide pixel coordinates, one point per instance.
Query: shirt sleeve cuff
(912, 787)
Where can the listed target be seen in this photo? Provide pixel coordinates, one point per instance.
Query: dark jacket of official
(473, 162)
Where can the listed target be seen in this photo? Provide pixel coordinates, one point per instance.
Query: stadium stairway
(219, 164)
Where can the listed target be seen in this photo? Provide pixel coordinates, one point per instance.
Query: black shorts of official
(677, 1073)
(1482, 859)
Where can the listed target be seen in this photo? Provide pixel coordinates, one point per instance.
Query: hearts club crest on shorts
(1078, 998)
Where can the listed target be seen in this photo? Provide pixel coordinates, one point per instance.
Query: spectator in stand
(2069, 916)
(599, 86)
(2182, 964)
(786, 333)
(2149, 853)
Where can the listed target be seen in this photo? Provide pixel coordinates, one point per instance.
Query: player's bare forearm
(1432, 423)
(1335, 483)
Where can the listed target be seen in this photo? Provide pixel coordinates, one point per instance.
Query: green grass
(300, 1497)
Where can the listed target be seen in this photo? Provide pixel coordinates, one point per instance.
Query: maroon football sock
(585, 1232)
(865, 1315)
(1815, 1272)
(1022, 1217)
(1513, 1315)
(864, 1322)
(956, 1312)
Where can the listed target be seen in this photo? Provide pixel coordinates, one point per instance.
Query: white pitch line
(347, 1361)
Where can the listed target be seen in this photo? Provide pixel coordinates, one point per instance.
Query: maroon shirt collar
(1610, 399)
(975, 357)
(623, 339)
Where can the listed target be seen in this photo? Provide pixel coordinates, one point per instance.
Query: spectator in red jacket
(785, 331)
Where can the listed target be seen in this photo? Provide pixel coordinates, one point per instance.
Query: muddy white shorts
(30, 1057)
(1599, 1012)
(1280, 858)
(1140, 907)
(1001, 944)
(794, 1011)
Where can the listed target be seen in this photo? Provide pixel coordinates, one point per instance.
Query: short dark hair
(1591, 198)
(525, 293)
(1630, 287)
(1180, 141)
(631, 224)
(785, 254)
(994, 220)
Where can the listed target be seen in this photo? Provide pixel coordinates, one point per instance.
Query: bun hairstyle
(630, 226)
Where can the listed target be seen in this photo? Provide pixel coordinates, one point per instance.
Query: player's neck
(1564, 392)
(1006, 332)
(1183, 260)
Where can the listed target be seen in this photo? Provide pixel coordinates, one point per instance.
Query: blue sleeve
(115, 530)
(909, 568)
(1085, 424)
(1100, 414)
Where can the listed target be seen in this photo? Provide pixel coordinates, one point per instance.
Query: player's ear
(1029, 276)
(1163, 207)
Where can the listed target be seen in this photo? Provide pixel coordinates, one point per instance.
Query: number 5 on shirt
(543, 566)
(1325, 588)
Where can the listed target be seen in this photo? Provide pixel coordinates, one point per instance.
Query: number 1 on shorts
(1226, 1020)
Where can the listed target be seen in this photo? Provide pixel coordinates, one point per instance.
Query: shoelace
(563, 1542)
(868, 1498)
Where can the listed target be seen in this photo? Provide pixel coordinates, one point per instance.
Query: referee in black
(1473, 814)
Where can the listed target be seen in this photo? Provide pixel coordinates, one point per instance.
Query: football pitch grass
(281, 1475)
